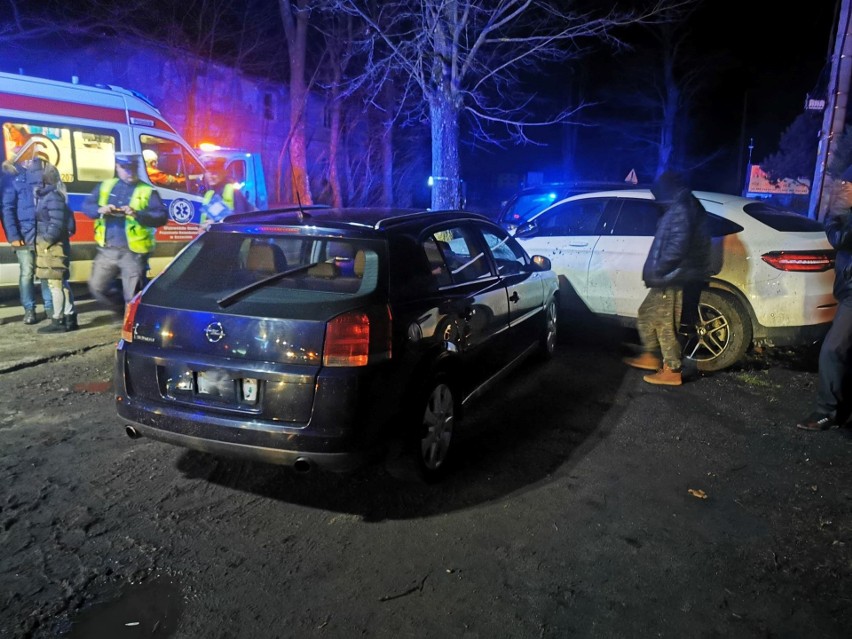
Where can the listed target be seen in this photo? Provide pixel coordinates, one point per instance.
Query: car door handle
(514, 297)
(578, 243)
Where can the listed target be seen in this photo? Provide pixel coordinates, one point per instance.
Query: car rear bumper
(220, 437)
(790, 335)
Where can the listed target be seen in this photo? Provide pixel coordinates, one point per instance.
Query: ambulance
(80, 128)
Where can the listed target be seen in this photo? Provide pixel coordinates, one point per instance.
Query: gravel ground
(584, 502)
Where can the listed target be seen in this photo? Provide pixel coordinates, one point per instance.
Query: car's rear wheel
(551, 329)
(428, 445)
(721, 333)
(436, 430)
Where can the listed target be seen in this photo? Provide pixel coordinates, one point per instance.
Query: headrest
(360, 263)
(261, 257)
(323, 269)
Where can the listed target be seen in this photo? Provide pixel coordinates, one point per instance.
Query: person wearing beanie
(679, 257)
(831, 410)
(55, 225)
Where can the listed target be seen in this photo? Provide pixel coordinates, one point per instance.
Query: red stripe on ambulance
(82, 111)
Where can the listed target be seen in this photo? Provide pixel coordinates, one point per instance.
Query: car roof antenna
(298, 197)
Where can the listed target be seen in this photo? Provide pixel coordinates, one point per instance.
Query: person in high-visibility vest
(222, 197)
(126, 213)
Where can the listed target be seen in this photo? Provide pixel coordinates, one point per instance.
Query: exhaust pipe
(303, 465)
(132, 433)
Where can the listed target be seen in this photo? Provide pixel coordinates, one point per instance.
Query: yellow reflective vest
(227, 198)
(140, 239)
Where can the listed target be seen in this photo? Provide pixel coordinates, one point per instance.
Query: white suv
(775, 269)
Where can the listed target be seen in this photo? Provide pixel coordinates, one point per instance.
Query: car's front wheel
(721, 333)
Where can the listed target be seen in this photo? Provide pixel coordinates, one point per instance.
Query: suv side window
(578, 217)
(637, 218)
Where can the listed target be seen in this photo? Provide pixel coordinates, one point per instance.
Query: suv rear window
(283, 268)
(522, 207)
(781, 219)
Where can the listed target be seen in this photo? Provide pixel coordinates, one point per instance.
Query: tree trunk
(445, 153)
(295, 19)
(334, 148)
(387, 158)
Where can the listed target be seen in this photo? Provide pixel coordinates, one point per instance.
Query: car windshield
(781, 219)
(222, 270)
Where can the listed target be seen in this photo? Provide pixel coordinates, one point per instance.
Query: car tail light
(810, 261)
(352, 339)
(347, 340)
(129, 316)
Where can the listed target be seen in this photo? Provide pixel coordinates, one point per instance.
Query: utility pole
(834, 118)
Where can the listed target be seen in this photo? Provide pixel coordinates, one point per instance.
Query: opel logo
(214, 332)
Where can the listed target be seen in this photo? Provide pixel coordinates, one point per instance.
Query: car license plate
(215, 384)
(249, 390)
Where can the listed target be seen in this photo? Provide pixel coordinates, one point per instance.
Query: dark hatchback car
(319, 338)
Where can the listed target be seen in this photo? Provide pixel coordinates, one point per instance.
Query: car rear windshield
(781, 219)
(256, 273)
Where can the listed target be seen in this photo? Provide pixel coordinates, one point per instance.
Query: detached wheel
(721, 334)
(427, 447)
(550, 332)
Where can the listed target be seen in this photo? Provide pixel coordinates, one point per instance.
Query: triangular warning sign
(631, 177)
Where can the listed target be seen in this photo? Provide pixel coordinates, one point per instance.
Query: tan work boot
(665, 376)
(645, 361)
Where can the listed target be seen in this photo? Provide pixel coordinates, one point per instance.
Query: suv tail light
(348, 339)
(810, 261)
(129, 316)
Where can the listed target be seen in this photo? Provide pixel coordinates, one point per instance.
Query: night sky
(765, 60)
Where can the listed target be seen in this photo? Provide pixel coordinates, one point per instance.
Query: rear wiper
(231, 298)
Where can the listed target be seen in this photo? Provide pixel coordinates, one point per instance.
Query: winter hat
(50, 175)
(666, 187)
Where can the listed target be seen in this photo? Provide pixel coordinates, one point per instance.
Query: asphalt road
(584, 502)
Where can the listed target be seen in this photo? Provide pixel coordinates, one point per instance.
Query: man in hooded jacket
(679, 257)
(832, 408)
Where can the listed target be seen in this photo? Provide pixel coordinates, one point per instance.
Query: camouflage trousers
(658, 323)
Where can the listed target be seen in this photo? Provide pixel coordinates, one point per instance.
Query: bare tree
(660, 86)
(295, 16)
(465, 57)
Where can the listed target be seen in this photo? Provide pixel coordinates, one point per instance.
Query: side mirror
(527, 229)
(541, 262)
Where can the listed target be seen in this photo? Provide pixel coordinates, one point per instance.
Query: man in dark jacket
(836, 346)
(20, 179)
(679, 257)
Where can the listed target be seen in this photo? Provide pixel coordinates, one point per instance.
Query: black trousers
(834, 363)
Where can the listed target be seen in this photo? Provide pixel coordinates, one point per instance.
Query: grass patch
(758, 379)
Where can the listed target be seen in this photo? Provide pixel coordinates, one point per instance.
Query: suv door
(567, 234)
(615, 285)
